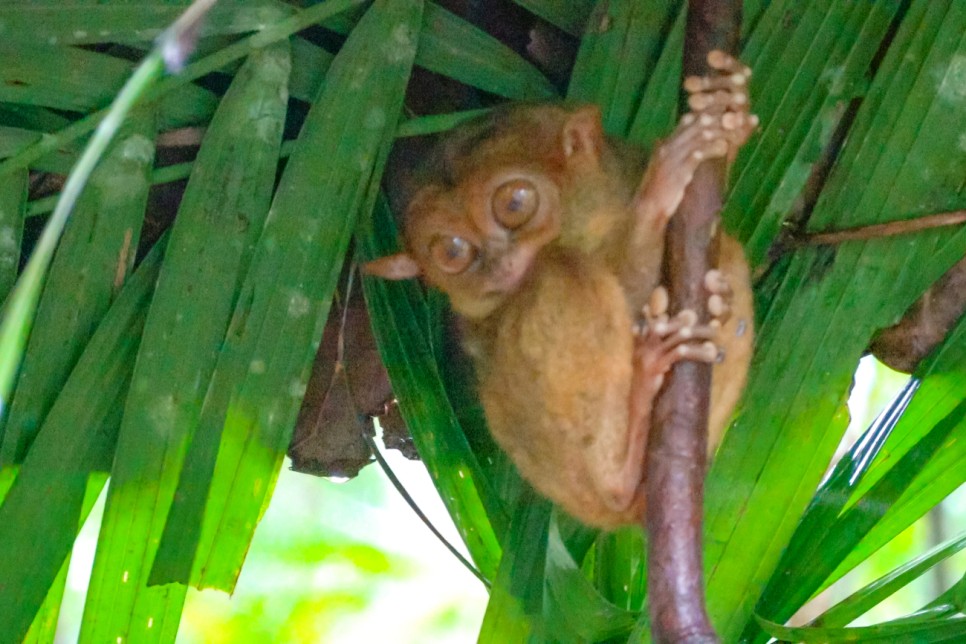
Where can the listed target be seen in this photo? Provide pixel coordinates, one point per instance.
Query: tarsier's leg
(661, 341)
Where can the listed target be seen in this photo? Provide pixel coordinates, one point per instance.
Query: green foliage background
(180, 379)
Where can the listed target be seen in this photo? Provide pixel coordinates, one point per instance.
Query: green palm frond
(178, 370)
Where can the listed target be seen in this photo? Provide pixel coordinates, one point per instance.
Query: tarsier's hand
(717, 125)
(720, 102)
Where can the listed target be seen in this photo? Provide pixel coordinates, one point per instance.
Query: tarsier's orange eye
(452, 254)
(515, 202)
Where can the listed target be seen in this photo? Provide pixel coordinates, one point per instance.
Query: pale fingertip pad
(717, 306)
(718, 59)
(709, 350)
(687, 317)
(713, 279)
(695, 83)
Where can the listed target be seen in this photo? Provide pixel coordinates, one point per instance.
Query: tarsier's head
(490, 199)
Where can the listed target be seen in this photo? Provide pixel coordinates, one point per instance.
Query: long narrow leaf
(616, 57)
(22, 303)
(569, 15)
(67, 78)
(830, 302)
(400, 330)
(13, 204)
(863, 600)
(41, 514)
(265, 362)
(949, 629)
(219, 219)
(102, 236)
(90, 21)
(453, 47)
(514, 612)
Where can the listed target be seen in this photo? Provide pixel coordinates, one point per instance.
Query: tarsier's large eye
(515, 202)
(452, 254)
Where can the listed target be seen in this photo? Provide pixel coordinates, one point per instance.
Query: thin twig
(887, 229)
(415, 508)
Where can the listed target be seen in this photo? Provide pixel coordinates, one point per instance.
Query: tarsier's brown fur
(550, 306)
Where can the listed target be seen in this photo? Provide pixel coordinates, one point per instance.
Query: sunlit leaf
(42, 512)
(218, 222)
(400, 322)
(264, 364)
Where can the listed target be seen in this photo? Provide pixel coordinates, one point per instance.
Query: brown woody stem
(888, 229)
(676, 452)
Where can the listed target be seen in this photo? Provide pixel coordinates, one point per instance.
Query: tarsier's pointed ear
(400, 266)
(583, 134)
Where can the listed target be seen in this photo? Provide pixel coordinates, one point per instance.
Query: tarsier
(548, 238)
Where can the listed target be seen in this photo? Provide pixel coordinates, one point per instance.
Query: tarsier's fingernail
(715, 325)
(738, 79)
(753, 120)
(688, 119)
(707, 119)
(731, 120)
(707, 135)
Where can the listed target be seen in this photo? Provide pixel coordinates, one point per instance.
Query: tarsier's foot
(661, 340)
(717, 125)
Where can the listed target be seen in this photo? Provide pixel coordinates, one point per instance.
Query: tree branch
(677, 449)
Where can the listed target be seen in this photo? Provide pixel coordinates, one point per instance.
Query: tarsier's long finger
(724, 62)
(687, 343)
(719, 101)
(655, 313)
(701, 138)
(736, 82)
(729, 74)
(721, 295)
